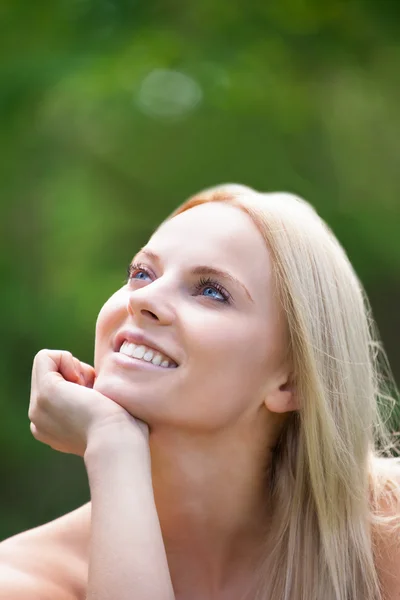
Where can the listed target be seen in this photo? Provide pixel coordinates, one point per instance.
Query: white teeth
(157, 360)
(127, 348)
(139, 352)
(144, 353)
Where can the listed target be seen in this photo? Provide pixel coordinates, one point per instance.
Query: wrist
(111, 445)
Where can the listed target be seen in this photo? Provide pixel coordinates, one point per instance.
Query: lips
(137, 337)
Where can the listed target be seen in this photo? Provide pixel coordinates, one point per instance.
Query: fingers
(63, 365)
(69, 367)
(85, 372)
(58, 362)
(57, 409)
(78, 371)
(88, 374)
(53, 361)
(49, 367)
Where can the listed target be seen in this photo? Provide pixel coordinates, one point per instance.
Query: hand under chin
(115, 390)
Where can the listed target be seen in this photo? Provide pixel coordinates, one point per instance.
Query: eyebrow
(203, 270)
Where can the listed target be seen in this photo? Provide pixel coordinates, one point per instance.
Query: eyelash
(202, 283)
(209, 282)
(135, 267)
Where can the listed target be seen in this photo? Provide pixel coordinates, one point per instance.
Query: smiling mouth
(141, 352)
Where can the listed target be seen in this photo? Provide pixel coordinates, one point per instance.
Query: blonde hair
(328, 480)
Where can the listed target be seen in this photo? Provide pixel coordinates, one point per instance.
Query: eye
(137, 272)
(206, 286)
(212, 289)
(212, 293)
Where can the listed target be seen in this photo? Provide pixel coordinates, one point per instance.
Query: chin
(113, 388)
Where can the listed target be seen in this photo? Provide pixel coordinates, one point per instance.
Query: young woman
(230, 427)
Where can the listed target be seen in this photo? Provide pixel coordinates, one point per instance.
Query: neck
(211, 497)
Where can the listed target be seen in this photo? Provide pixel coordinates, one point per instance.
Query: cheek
(230, 359)
(228, 343)
(108, 321)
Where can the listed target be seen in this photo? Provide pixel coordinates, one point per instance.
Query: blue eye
(212, 289)
(206, 287)
(136, 276)
(134, 270)
(213, 293)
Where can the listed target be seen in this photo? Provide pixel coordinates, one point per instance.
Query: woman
(241, 358)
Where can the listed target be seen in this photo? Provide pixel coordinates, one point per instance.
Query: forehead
(216, 234)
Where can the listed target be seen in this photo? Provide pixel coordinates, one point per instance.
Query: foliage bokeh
(113, 112)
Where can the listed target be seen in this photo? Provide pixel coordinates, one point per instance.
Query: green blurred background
(113, 112)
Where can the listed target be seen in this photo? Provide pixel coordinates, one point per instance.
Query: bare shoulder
(387, 541)
(15, 584)
(50, 560)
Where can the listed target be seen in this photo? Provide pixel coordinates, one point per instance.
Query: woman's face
(222, 330)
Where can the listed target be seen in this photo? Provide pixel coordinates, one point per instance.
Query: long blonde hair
(328, 478)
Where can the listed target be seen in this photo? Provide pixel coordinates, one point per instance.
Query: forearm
(127, 553)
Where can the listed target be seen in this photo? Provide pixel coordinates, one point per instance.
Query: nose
(150, 303)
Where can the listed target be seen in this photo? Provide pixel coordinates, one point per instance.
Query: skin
(214, 418)
(209, 424)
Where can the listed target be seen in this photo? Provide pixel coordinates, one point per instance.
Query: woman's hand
(64, 410)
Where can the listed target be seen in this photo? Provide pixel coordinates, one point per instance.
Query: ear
(282, 398)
